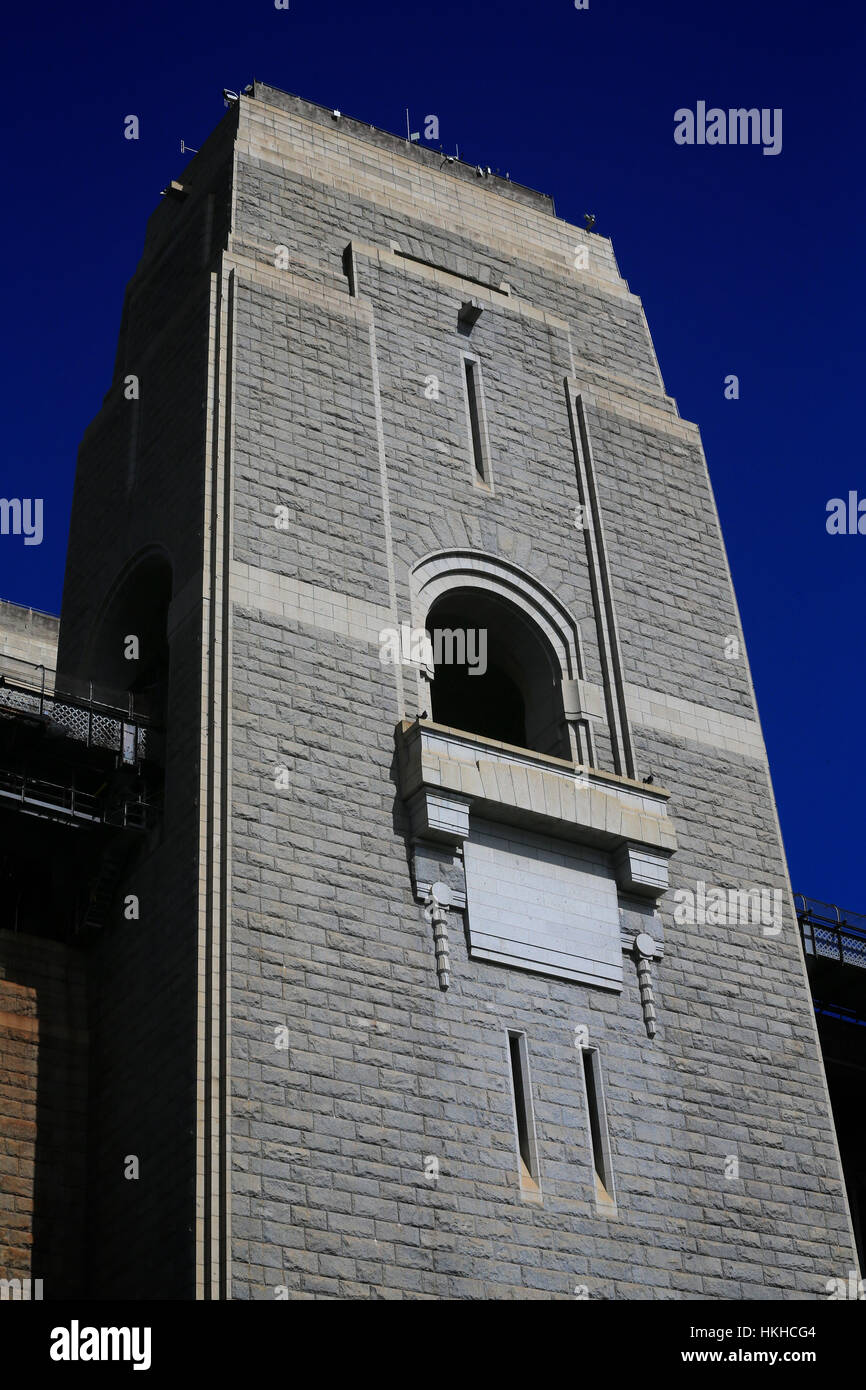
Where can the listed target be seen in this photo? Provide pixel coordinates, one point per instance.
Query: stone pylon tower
(464, 963)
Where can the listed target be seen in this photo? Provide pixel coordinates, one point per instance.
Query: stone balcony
(446, 775)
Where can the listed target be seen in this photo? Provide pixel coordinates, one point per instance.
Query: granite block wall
(335, 1119)
(319, 1117)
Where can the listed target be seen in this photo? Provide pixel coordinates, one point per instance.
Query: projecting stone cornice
(447, 775)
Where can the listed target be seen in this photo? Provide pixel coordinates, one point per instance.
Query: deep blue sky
(746, 263)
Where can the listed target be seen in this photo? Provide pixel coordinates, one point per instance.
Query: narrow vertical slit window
(473, 397)
(524, 1122)
(598, 1129)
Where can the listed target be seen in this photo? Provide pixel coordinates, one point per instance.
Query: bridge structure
(834, 946)
(85, 762)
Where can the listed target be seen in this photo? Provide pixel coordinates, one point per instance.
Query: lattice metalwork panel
(105, 733)
(76, 722)
(82, 723)
(837, 944)
(19, 699)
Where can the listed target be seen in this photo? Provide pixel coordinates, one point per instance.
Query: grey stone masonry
(337, 1119)
(28, 636)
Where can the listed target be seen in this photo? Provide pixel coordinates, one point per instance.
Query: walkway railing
(56, 801)
(831, 933)
(91, 715)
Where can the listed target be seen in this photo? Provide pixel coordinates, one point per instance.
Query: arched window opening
(494, 673)
(130, 652)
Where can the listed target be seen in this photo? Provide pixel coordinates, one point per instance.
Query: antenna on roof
(187, 149)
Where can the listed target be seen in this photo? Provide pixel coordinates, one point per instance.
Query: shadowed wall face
(144, 459)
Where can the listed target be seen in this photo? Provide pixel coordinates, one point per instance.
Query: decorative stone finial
(644, 950)
(439, 902)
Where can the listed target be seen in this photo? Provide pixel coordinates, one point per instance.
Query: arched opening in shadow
(495, 673)
(130, 653)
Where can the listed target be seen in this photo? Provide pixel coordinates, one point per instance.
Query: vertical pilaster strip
(386, 508)
(350, 269)
(212, 725)
(602, 588)
(214, 846)
(225, 1194)
(213, 1194)
(218, 808)
(205, 801)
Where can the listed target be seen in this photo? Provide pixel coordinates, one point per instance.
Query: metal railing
(109, 722)
(831, 933)
(57, 801)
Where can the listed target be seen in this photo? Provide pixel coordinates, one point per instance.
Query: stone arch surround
(437, 574)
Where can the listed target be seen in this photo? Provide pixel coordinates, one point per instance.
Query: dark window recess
(597, 1126)
(490, 704)
(523, 1114)
(473, 393)
(507, 686)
